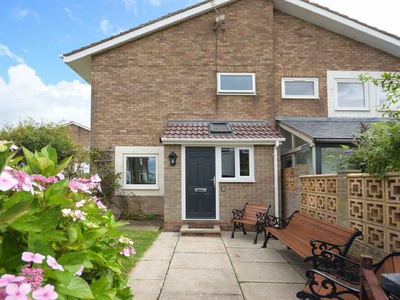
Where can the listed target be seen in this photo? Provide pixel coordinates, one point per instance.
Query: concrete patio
(196, 267)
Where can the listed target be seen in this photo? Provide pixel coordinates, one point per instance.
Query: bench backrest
(311, 228)
(389, 264)
(250, 210)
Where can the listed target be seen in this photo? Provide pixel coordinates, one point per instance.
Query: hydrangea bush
(57, 239)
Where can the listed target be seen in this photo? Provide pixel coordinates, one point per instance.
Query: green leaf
(26, 226)
(45, 165)
(50, 153)
(49, 218)
(62, 165)
(29, 156)
(76, 288)
(73, 258)
(15, 212)
(72, 234)
(59, 200)
(18, 197)
(5, 155)
(54, 236)
(38, 244)
(94, 256)
(57, 189)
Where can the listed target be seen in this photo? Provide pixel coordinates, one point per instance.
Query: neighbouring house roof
(179, 132)
(324, 130)
(80, 60)
(78, 125)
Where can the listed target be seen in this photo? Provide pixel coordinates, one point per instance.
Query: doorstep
(192, 230)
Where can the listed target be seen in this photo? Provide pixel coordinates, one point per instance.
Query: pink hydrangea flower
(95, 178)
(24, 181)
(60, 176)
(6, 279)
(79, 273)
(7, 182)
(32, 257)
(45, 293)
(34, 276)
(16, 292)
(80, 203)
(80, 215)
(52, 263)
(128, 251)
(13, 148)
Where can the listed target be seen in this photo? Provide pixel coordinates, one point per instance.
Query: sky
(35, 83)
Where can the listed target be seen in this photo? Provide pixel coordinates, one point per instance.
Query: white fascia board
(301, 135)
(341, 25)
(178, 141)
(140, 32)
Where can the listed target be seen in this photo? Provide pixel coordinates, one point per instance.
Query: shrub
(56, 231)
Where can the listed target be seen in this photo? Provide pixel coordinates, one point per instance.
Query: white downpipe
(276, 179)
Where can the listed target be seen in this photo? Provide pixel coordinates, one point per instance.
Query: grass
(142, 239)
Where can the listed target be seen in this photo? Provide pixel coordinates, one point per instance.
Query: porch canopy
(221, 132)
(325, 130)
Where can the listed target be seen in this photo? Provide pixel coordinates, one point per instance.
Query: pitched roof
(80, 59)
(201, 132)
(325, 129)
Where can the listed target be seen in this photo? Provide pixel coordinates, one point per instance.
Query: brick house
(193, 103)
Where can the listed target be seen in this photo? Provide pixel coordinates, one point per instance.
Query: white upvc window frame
(236, 92)
(140, 186)
(365, 85)
(237, 177)
(300, 79)
(121, 152)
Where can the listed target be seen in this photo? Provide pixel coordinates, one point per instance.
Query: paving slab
(201, 281)
(200, 261)
(199, 297)
(302, 269)
(200, 239)
(271, 291)
(198, 247)
(266, 272)
(168, 235)
(255, 255)
(165, 243)
(156, 253)
(146, 289)
(149, 270)
(292, 257)
(276, 244)
(240, 240)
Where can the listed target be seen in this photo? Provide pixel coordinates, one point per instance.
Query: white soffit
(339, 24)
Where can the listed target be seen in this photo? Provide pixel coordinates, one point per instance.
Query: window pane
(299, 88)
(236, 82)
(141, 170)
(330, 158)
(298, 141)
(287, 144)
(244, 156)
(351, 94)
(228, 162)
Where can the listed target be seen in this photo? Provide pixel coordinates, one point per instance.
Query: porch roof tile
(240, 130)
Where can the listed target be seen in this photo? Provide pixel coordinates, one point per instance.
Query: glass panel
(381, 96)
(141, 170)
(244, 156)
(287, 144)
(351, 94)
(236, 82)
(304, 157)
(298, 141)
(330, 158)
(299, 88)
(228, 162)
(287, 162)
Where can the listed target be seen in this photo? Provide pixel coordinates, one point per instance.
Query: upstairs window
(351, 94)
(300, 88)
(236, 83)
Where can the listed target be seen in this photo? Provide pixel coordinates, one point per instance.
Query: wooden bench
(364, 283)
(251, 214)
(308, 236)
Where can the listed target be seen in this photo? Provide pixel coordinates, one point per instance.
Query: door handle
(213, 180)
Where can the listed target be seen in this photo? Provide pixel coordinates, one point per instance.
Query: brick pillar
(291, 199)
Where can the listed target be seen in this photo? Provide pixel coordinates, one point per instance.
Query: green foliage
(390, 85)
(34, 135)
(43, 213)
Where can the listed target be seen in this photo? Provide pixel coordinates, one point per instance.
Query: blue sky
(34, 82)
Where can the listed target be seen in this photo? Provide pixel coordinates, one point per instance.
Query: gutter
(276, 179)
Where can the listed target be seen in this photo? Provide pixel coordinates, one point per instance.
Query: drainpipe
(276, 179)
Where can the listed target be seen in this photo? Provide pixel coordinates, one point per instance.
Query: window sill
(236, 94)
(300, 98)
(227, 180)
(134, 187)
(352, 109)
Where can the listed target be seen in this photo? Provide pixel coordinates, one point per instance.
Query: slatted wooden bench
(251, 214)
(364, 282)
(308, 236)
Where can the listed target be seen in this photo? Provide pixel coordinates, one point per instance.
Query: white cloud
(5, 51)
(131, 5)
(26, 95)
(20, 14)
(108, 29)
(71, 15)
(156, 2)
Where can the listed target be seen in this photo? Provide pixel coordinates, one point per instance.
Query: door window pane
(228, 162)
(351, 94)
(141, 170)
(244, 156)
